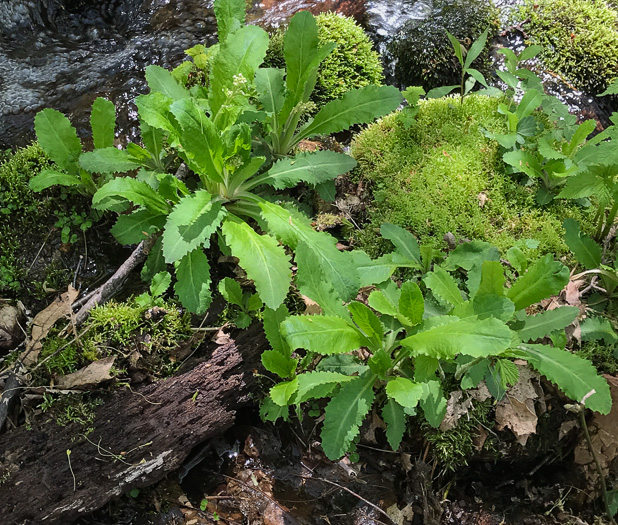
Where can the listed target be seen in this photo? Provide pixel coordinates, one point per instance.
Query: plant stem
(582, 419)
(610, 220)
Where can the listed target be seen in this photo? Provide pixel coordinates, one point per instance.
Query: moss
(352, 64)
(433, 178)
(424, 55)
(453, 448)
(603, 356)
(579, 38)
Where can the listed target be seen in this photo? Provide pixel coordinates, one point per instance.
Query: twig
(580, 409)
(114, 283)
(71, 469)
(351, 492)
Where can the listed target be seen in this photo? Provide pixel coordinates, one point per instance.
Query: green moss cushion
(443, 175)
(579, 37)
(352, 64)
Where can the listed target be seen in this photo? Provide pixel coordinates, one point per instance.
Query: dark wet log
(138, 438)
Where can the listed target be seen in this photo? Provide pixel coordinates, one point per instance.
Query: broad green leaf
(190, 225)
(270, 411)
(152, 139)
(405, 243)
(475, 374)
(433, 403)
(484, 306)
(411, 302)
(441, 91)
(282, 392)
(612, 89)
(478, 338)
(580, 135)
(154, 110)
(58, 138)
(395, 419)
(271, 89)
(201, 142)
(231, 291)
(492, 279)
(342, 363)
(358, 106)
(48, 178)
(543, 279)
(478, 76)
(543, 324)
(471, 254)
(443, 286)
(193, 281)
(582, 185)
(262, 258)
(230, 15)
(313, 168)
(137, 226)
(404, 391)
(531, 100)
(103, 123)
(280, 364)
(425, 368)
(315, 385)
(338, 268)
(241, 55)
(375, 271)
(383, 303)
(380, 362)
(596, 328)
(475, 49)
(311, 282)
(345, 413)
(272, 320)
(160, 80)
(586, 251)
(575, 376)
(529, 52)
(321, 334)
(368, 322)
(517, 258)
(303, 55)
(155, 262)
(137, 192)
(107, 160)
(523, 162)
(509, 373)
(160, 283)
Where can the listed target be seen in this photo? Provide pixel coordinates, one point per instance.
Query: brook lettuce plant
(459, 323)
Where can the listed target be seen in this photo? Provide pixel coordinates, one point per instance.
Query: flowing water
(65, 53)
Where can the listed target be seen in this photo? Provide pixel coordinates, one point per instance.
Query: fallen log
(53, 474)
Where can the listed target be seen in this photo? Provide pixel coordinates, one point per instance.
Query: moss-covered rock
(579, 37)
(423, 53)
(353, 64)
(443, 175)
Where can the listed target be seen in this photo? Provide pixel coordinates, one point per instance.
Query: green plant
(245, 301)
(579, 38)
(443, 175)
(465, 323)
(159, 285)
(469, 75)
(210, 130)
(67, 221)
(352, 64)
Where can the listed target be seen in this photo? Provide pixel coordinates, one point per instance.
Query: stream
(65, 53)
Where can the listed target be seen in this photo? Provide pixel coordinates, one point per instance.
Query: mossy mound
(443, 175)
(140, 337)
(579, 37)
(353, 63)
(424, 54)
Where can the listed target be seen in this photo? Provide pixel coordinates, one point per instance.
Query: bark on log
(150, 432)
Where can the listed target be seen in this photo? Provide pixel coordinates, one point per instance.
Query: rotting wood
(138, 437)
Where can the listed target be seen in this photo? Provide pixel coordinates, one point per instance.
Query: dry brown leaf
(44, 321)
(369, 431)
(571, 292)
(11, 333)
(91, 375)
(311, 307)
(458, 406)
(221, 337)
(483, 198)
(479, 440)
(400, 516)
(516, 410)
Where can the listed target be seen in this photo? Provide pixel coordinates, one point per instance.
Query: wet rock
(421, 49)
